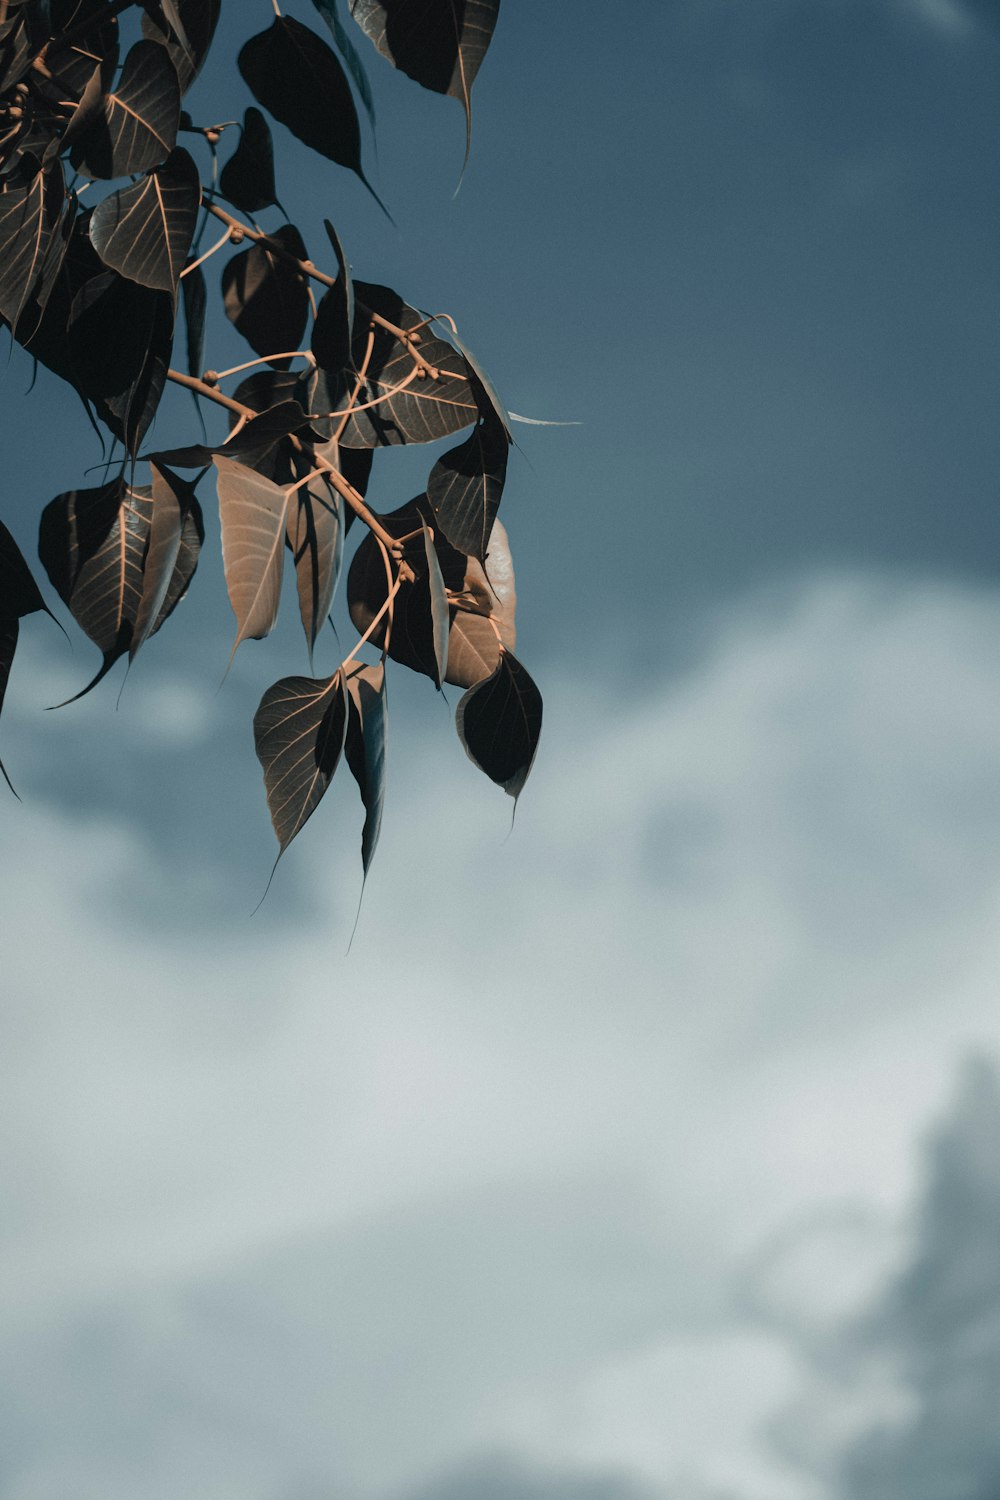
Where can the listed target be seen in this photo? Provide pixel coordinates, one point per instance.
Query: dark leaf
(296, 77)
(425, 410)
(252, 511)
(19, 593)
(365, 749)
(120, 338)
(255, 438)
(93, 544)
(440, 618)
(73, 66)
(194, 294)
(87, 112)
(9, 630)
(315, 526)
(145, 231)
(333, 329)
(478, 601)
(348, 51)
(439, 43)
(299, 731)
(248, 177)
(16, 53)
(30, 210)
(487, 395)
(465, 485)
(267, 298)
(138, 125)
(499, 721)
(175, 537)
(198, 19)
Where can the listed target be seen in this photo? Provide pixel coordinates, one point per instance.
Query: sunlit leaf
(252, 511)
(365, 748)
(247, 179)
(145, 231)
(299, 730)
(137, 127)
(499, 721)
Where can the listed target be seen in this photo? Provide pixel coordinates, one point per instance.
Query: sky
(646, 1150)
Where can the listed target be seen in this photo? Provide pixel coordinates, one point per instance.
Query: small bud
(213, 137)
(236, 235)
(210, 378)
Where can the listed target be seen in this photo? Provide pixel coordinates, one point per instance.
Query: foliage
(341, 368)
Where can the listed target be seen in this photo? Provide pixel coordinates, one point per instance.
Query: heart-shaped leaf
(315, 528)
(145, 231)
(247, 179)
(252, 511)
(31, 207)
(465, 485)
(137, 125)
(296, 77)
(267, 298)
(299, 730)
(120, 338)
(175, 536)
(499, 721)
(364, 748)
(408, 409)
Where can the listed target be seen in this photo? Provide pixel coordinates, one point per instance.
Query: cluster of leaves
(341, 368)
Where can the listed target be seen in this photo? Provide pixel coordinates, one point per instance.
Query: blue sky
(637, 1155)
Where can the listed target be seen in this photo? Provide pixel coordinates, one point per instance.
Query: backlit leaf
(145, 231)
(31, 207)
(299, 730)
(365, 748)
(137, 127)
(465, 485)
(440, 621)
(175, 536)
(252, 511)
(315, 526)
(499, 721)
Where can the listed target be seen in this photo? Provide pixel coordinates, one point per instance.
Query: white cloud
(491, 1181)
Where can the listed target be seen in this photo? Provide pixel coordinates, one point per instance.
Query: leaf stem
(195, 263)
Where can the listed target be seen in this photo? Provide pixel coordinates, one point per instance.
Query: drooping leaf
(425, 410)
(365, 749)
(88, 111)
(296, 77)
(9, 631)
(145, 231)
(481, 602)
(252, 511)
(263, 390)
(137, 127)
(315, 528)
(334, 326)
(267, 298)
(198, 18)
(440, 618)
(175, 536)
(350, 54)
(93, 545)
(247, 179)
(486, 391)
(31, 206)
(299, 731)
(19, 593)
(194, 295)
(499, 721)
(255, 438)
(120, 335)
(465, 485)
(439, 43)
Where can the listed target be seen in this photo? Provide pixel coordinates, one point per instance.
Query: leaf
(440, 620)
(478, 601)
(465, 485)
(198, 19)
(30, 210)
(138, 125)
(256, 436)
(19, 593)
(93, 545)
(334, 326)
(350, 54)
(267, 298)
(120, 335)
(194, 294)
(499, 721)
(365, 749)
(9, 630)
(488, 395)
(296, 77)
(299, 731)
(248, 177)
(439, 43)
(424, 411)
(145, 231)
(175, 537)
(315, 528)
(252, 511)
